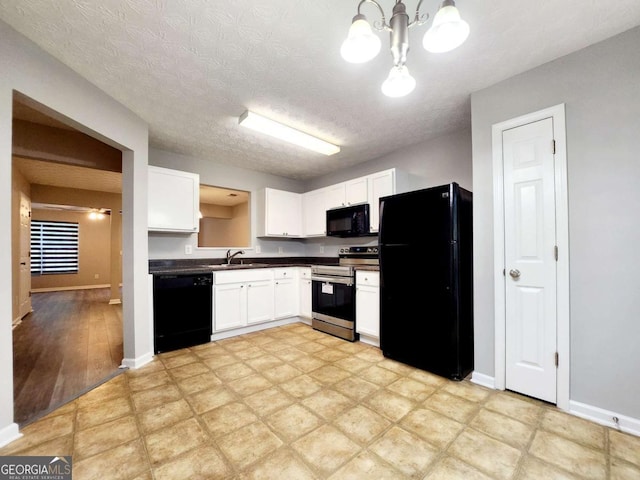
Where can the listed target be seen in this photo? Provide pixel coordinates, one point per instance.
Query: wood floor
(71, 341)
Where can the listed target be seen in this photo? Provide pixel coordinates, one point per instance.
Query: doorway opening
(67, 323)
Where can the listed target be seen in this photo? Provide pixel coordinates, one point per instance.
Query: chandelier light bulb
(399, 82)
(361, 45)
(448, 31)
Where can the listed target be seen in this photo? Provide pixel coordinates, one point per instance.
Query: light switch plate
(188, 249)
(258, 249)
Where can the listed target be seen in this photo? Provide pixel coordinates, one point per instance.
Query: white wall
(600, 86)
(434, 162)
(29, 70)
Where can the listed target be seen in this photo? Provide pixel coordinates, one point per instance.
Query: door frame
(557, 114)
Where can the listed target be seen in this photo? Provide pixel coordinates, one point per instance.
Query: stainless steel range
(333, 302)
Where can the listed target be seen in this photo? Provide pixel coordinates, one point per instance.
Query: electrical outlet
(96, 276)
(258, 249)
(321, 248)
(280, 250)
(188, 249)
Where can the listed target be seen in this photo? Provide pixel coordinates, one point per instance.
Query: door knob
(514, 273)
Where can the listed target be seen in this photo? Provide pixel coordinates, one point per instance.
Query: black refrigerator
(426, 279)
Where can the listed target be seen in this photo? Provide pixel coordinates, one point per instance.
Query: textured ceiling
(42, 172)
(189, 68)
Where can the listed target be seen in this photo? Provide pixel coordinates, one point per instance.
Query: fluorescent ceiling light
(264, 125)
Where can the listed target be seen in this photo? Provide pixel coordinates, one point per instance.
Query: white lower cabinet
(305, 292)
(285, 292)
(260, 301)
(241, 298)
(230, 302)
(368, 305)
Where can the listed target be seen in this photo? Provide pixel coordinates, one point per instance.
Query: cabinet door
(174, 200)
(314, 213)
(283, 216)
(368, 310)
(305, 292)
(356, 191)
(335, 196)
(380, 185)
(286, 298)
(259, 301)
(230, 306)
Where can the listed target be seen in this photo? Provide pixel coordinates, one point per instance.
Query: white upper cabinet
(279, 213)
(334, 196)
(356, 191)
(346, 193)
(380, 185)
(314, 204)
(314, 213)
(174, 200)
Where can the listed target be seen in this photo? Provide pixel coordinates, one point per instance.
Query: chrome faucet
(230, 255)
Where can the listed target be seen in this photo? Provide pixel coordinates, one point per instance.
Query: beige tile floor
(293, 403)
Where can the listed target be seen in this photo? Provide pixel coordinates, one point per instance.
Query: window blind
(54, 247)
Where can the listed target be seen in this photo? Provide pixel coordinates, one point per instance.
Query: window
(54, 247)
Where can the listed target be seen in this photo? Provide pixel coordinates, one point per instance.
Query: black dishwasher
(181, 310)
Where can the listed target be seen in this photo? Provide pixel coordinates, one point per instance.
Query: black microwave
(352, 221)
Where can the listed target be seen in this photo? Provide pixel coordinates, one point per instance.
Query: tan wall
(95, 251)
(241, 225)
(18, 184)
(109, 252)
(230, 229)
(42, 142)
(216, 211)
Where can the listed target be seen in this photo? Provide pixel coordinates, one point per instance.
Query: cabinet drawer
(370, 278)
(239, 276)
(305, 273)
(280, 273)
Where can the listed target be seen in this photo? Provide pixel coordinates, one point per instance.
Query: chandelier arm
(419, 19)
(381, 24)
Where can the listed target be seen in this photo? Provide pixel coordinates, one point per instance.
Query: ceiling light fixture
(283, 132)
(447, 32)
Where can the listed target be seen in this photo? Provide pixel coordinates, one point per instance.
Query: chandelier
(447, 32)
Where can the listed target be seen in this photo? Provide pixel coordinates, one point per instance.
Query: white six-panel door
(530, 259)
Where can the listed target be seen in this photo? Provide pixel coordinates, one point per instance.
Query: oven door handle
(326, 279)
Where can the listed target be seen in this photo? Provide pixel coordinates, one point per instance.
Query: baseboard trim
(9, 433)
(605, 417)
(373, 341)
(62, 289)
(255, 328)
(483, 380)
(134, 363)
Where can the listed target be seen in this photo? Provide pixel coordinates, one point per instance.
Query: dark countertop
(204, 265)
